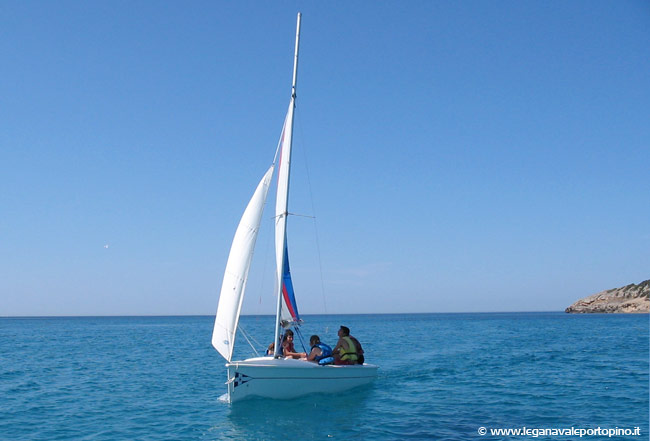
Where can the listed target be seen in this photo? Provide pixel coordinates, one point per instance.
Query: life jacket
(326, 351)
(351, 353)
(288, 347)
(326, 360)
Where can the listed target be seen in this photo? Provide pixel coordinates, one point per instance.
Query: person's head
(288, 335)
(344, 331)
(314, 340)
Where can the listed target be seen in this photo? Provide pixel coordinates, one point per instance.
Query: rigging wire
(264, 270)
(302, 341)
(313, 210)
(248, 340)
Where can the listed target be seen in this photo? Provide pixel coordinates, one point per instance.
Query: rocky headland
(628, 299)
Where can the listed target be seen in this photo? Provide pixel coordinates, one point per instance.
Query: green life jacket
(351, 353)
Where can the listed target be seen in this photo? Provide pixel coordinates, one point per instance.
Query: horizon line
(273, 315)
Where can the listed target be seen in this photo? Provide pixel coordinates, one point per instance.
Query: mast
(282, 200)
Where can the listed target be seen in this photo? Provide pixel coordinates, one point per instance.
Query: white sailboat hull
(284, 379)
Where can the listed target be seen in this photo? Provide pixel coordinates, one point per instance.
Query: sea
(555, 376)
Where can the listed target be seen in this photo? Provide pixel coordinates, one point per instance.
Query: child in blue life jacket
(320, 352)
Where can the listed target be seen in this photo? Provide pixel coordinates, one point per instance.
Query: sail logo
(241, 379)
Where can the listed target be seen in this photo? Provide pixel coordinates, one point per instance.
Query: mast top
(295, 59)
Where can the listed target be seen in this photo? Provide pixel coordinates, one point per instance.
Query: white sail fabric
(239, 262)
(281, 211)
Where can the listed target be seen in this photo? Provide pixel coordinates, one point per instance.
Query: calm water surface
(442, 376)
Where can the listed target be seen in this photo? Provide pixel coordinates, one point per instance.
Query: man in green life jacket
(348, 349)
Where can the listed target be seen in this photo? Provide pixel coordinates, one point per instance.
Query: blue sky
(458, 156)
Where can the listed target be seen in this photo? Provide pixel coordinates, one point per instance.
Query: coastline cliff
(628, 299)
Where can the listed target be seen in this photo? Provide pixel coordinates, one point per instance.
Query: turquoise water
(442, 376)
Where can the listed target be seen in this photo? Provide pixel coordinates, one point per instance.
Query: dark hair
(345, 330)
(314, 339)
(287, 333)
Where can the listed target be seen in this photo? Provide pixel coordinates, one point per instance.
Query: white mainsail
(236, 274)
(281, 207)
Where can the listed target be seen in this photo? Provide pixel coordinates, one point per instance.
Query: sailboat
(273, 376)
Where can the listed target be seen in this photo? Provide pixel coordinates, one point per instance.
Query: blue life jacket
(326, 351)
(327, 360)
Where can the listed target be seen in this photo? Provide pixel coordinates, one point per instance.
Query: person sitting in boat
(360, 358)
(345, 351)
(271, 349)
(287, 346)
(320, 352)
